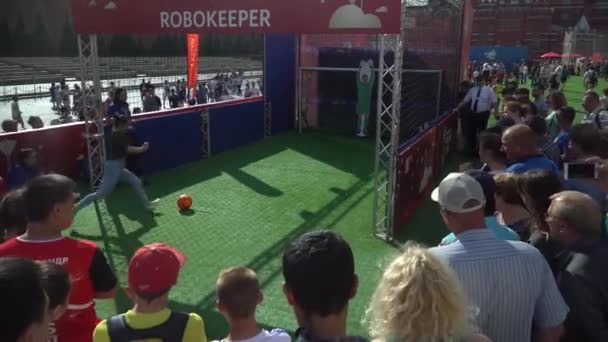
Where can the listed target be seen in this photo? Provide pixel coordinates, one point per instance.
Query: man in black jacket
(575, 221)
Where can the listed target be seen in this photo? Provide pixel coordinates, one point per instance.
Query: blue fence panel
(279, 75)
(494, 54)
(234, 126)
(174, 140)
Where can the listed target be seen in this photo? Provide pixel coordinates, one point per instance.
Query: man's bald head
(578, 212)
(520, 131)
(519, 141)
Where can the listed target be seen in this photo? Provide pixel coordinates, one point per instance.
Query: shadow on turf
(254, 183)
(217, 328)
(313, 144)
(187, 212)
(124, 244)
(117, 241)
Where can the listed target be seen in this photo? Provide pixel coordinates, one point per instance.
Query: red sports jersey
(79, 321)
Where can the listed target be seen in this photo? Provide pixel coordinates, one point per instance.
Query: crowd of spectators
(548, 279)
(68, 104)
(524, 259)
(551, 73)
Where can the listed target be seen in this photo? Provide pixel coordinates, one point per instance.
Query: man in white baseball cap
(509, 282)
(460, 193)
(488, 186)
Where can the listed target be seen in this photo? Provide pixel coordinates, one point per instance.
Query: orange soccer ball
(184, 202)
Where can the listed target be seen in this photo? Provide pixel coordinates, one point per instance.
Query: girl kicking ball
(114, 167)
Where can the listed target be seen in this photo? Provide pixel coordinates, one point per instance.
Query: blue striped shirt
(508, 281)
(500, 230)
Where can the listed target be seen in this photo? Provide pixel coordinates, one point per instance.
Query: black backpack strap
(176, 326)
(476, 101)
(116, 325)
(172, 330)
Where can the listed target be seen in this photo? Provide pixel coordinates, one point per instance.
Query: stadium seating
(32, 75)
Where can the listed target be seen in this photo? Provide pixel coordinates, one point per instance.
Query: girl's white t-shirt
(276, 335)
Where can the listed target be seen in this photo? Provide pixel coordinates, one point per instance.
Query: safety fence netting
(332, 68)
(432, 44)
(230, 66)
(333, 100)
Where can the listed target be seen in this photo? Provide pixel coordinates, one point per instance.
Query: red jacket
(79, 321)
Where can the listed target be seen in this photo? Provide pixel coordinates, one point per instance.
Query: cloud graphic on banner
(352, 16)
(110, 6)
(382, 9)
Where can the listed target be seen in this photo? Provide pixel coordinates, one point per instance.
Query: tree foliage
(39, 40)
(140, 49)
(19, 37)
(35, 40)
(68, 45)
(123, 45)
(6, 42)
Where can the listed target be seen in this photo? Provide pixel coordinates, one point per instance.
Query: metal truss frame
(206, 141)
(387, 130)
(92, 106)
(267, 104)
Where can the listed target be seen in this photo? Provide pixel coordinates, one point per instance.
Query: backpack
(172, 330)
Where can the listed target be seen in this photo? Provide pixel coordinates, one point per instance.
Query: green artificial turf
(248, 204)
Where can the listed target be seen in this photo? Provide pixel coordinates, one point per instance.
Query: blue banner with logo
(507, 55)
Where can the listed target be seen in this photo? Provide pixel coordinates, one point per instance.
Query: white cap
(456, 190)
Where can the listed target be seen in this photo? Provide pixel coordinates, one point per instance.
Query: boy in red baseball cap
(153, 271)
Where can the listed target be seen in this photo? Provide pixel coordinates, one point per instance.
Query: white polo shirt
(485, 99)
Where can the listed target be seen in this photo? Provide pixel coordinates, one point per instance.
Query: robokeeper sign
(288, 16)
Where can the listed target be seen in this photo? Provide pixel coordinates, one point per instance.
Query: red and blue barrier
(279, 78)
(419, 163)
(175, 137)
(234, 126)
(59, 148)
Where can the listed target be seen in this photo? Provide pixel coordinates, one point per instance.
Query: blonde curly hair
(418, 299)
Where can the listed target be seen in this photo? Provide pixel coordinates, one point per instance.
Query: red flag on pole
(192, 59)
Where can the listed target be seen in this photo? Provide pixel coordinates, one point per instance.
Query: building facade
(538, 24)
